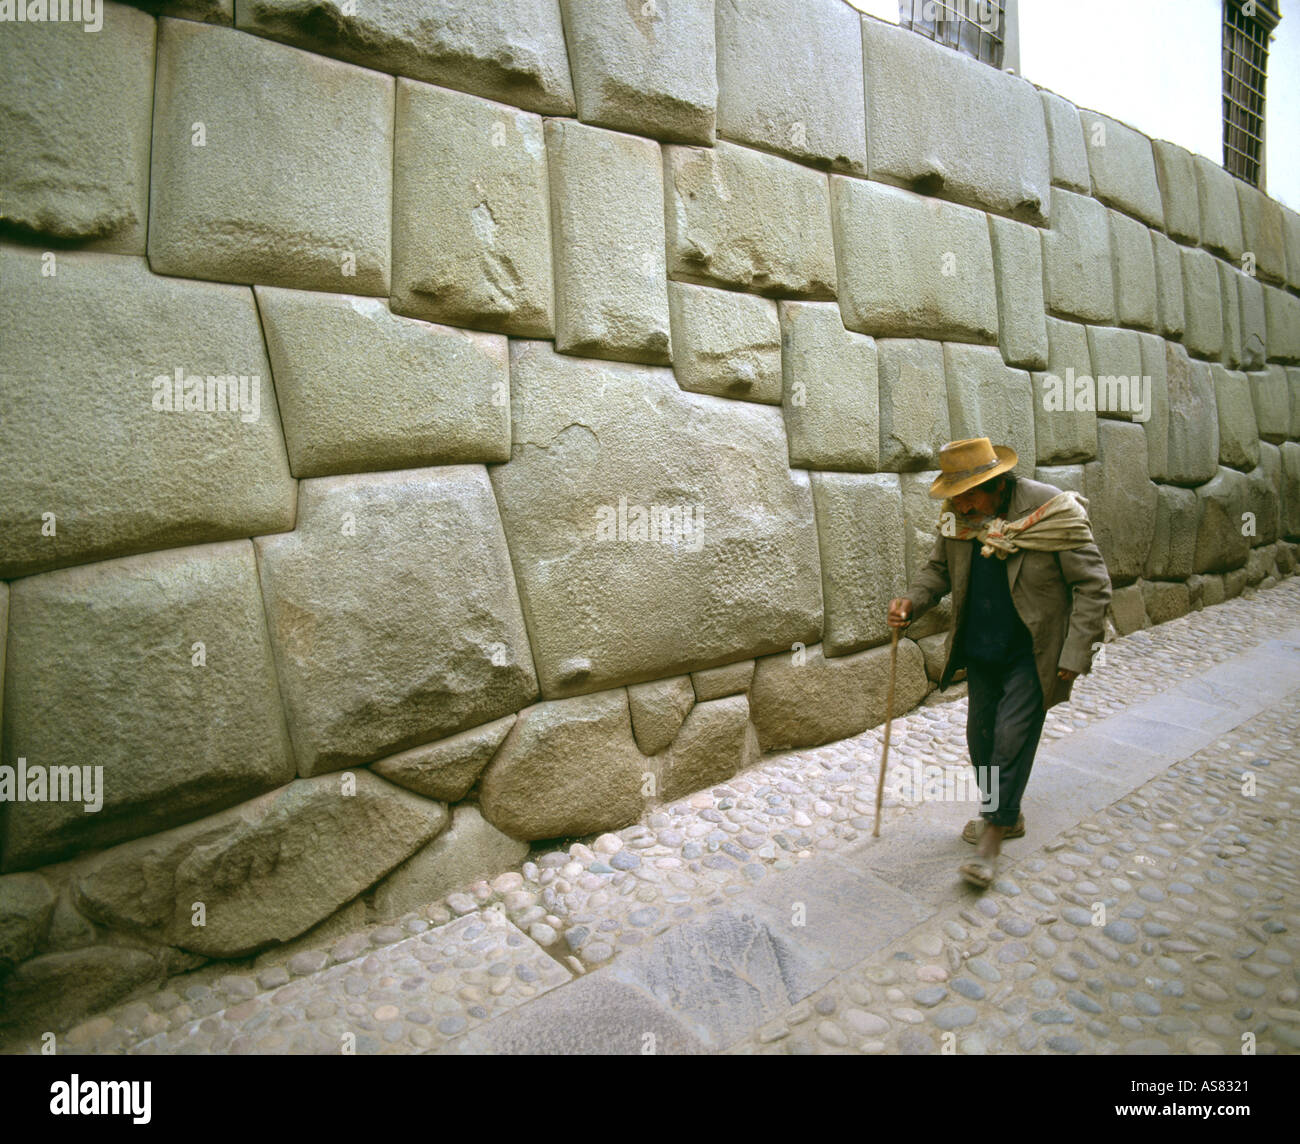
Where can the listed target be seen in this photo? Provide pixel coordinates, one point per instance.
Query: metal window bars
(973, 27)
(1246, 29)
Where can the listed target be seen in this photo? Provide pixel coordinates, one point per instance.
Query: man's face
(982, 500)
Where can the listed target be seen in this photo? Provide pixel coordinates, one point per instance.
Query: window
(973, 27)
(1247, 25)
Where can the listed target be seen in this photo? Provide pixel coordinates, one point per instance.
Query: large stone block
(1135, 272)
(448, 769)
(725, 343)
(747, 220)
(1155, 365)
(1173, 543)
(75, 112)
(1263, 232)
(360, 389)
(471, 213)
(911, 265)
(265, 871)
(1018, 265)
(1066, 146)
(85, 436)
(1128, 610)
(803, 699)
(377, 656)
(156, 669)
(511, 50)
(1123, 168)
(657, 709)
(1116, 361)
(1282, 312)
(1176, 173)
(831, 390)
(26, 905)
(607, 220)
(913, 403)
(1203, 304)
(1220, 209)
(1252, 320)
(1290, 490)
(1169, 285)
(790, 80)
(1165, 602)
(920, 518)
(860, 535)
(232, 114)
(1238, 431)
(718, 682)
(645, 68)
(914, 140)
(1077, 275)
(650, 545)
(1291, 231)
(986, 398)
(715, 742)
(1192, 444)
(1122, 500)
(1062, 476)
(1065, 423)
(1230, 303)
(1270, 393)
(57, 989)
(207, 11)
(1264, 495)
(1220, 542)
(569, 768)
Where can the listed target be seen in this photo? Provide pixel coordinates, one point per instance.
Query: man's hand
(900, 612)
(1065, 675)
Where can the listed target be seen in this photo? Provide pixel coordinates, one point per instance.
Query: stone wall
(453, 425)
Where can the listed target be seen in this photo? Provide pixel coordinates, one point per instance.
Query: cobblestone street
(1152, 906)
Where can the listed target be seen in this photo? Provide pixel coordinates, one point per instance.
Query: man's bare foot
(990, 841)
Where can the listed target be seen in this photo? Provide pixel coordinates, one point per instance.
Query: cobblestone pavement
(1151, 907)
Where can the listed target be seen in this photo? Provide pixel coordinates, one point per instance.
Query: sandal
(979, 872)
(975, 827)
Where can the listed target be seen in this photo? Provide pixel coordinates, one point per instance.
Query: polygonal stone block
(1173, 543)
(1290, 489)
(1155, 365)
(747, 220)
(986, 398)
(232, 114)
(911, 265)
(1121, 392)
(1271, 396)
(715, 742)
(1169, 284)
(831, 390)
(913, 403)
(1264, 494)
(103, 438)
(360, 389)
(1263, 232)
(1220, 209)
(511, 50)
(1192, 445)
(375, 657)
(1077, 275)
(1252, 322)
(1165, 602)
(158, 670)
(1128, 610)
(1065, 417)
(1123, 168)
(1068, 152)
(1230, 301)
(1291, 231)
(1061, 476)
(75, 113)
(718, 682)
(471, 214)
(447, 769)
(1135, 271)
(1122, 500)
(1176, 173)
(920, 517)
(1238, 432)
(790, 80)
(1293, 383)
(1221, 544)
(1282, 315)
(915, 141)
(1203, 304)
(657, 709)
(725, 343)
(1018, 266)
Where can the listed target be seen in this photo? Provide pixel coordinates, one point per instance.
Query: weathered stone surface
(26, 903)
(1165, 601)
(914, 140)
(1156, 408)
(790, 80)
(1238, 432)
(1270, 392)
(1261, 564)
(1192, 443)
(1176, 173)
(1066, 146)
(913, 404)
(1135, 272)
(512, 50)
(471, 213)
(1230, 306)
(208, 11)
(717, 682)
(803, 699)
(1123, 167)
(359, 389)
(1018, 266)
(375, 657)
(470, 849)
(657, 709)
(607, 222)
(1173, 543)
(934, 649)
(725, 343)
(446, 770)
(1203, 304)
(1252, 320)
(1291, 231)
(569, 767)
(1264, 494)
(1290, 489)
(1128, 610)
(1122, 500)
(988, 399)
(1077, 276)
(1220, 545)
(66, 173)
(1067, 431)
(1169, 285)
(225, 209)
(920, 516)
(911, 265)
(68, 929)
(1282, 312)
(60, 988)
(860, 535)
(81, 439)
(647, 546)
(265, 871)
(156, 668)
(715, 742)
(1117, 359)
(644, 68)
(831, 390)
(1220, 209)
(1263, 232)
(747, 220)
(1062, 476)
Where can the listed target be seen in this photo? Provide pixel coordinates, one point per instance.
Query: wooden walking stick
(889, 718)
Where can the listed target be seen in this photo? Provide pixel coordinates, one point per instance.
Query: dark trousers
(1004, 719)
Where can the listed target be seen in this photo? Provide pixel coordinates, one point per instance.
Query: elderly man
(1029, 591)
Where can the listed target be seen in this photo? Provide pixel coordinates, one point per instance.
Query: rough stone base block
(657, 710)
(1164, 600)
(1128, 609)
(717, 682)
(715, 742)
(446, 770)
(60, 988)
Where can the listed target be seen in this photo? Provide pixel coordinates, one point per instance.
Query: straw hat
(968, 463)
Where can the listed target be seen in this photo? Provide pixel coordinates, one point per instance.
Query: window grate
(973, 27)
(1247, 25)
